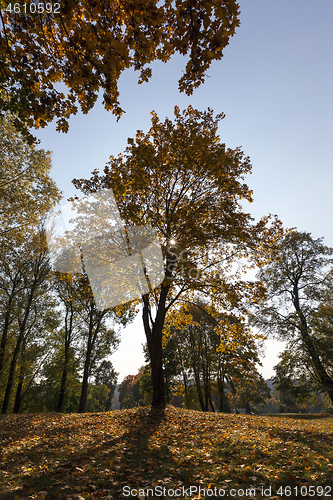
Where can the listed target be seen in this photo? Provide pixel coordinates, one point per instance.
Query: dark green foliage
(297, 309)
(129, 392)
(106, 376)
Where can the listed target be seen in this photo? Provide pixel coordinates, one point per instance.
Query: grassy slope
(94, 455)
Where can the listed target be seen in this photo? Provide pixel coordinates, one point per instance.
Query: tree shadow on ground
(97, 468)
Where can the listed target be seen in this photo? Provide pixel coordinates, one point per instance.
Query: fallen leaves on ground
(93, 456)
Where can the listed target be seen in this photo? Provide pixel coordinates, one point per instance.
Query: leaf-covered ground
(81, 456)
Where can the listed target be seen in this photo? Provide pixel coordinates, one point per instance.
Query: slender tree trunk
(211, 404)
(204, 382)
(68, 334)
(4, 338)
(195, 371)
(92, 335)
(184, 376)
(206, 399)
(324, 377)
(18, 397)
(61, 398)
(166, 380)
(6, 324)
(220, 384)
(206, 372)
(199, 391)
(84, 388)
(40, 271)
(198, 386)
(221, 395)
(10, 381)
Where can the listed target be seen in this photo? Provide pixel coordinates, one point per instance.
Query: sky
(274, 84)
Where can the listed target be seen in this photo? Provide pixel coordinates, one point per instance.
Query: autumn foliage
(95, 455)
(88, 44)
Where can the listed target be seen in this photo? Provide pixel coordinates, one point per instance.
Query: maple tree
(181, 180)
(88, 44)
(297, 282)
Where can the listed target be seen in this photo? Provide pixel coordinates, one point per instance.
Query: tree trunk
(199, 391)
(184, 376)
(204, 382)
(221, 396)
(156, 360)
(154, 341)
(68, 334)
(10, 381)
(4, 338)
(166, 380)
(84, 388)
(18, 397)
(198, 386)
(61, 398)
(7, 323)
(220, 384)
(195, 371)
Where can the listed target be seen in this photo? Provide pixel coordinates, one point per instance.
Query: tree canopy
(88, 44)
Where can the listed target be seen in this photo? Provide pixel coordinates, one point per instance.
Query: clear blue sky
(274, 84)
